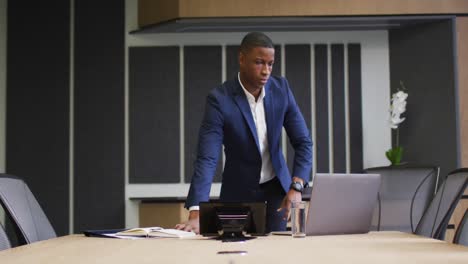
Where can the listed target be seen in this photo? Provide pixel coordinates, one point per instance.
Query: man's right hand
(193, 223)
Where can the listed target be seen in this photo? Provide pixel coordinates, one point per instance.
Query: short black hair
(255, 39)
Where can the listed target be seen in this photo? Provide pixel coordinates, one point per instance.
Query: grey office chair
(404, 195)
(461, 236)
(24, 210)
(436, 218)
(4, 241)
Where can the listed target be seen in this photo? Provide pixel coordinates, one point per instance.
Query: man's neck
(252, 90)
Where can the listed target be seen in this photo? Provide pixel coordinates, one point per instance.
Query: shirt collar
(250, 97)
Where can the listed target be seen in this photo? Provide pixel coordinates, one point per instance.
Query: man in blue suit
(247, 115)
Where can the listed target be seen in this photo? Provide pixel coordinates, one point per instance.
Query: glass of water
(298, 219)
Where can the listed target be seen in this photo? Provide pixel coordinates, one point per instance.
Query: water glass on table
(298, 219)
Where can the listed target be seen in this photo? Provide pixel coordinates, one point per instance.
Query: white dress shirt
(258, 114)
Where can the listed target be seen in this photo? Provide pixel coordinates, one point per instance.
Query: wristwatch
(297, 186)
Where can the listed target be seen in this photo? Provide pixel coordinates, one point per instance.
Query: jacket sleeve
(299, 137)
(210, 140)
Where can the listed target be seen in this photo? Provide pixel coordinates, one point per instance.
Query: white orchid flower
(400, 96)
(395, 121)
(397, 107)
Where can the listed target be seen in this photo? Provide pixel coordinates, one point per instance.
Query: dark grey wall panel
(99, 115)
(338, 103)
(154, 115)
(355, 107)
(423, 58)
(202, 71)
(277, 66)
(321, 108)
(38, 102)
(298, 72)
(232, 62)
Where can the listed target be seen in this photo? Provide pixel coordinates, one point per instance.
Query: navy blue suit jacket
(228, 120)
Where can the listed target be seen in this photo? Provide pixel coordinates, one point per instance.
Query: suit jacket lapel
(269, 113)
(243, 104)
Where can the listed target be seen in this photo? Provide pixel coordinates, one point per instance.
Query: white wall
(3, 35)
(375, 101)
(375, 92)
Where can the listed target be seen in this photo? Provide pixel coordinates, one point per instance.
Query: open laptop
(341, 204)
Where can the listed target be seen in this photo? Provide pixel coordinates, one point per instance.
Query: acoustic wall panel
(37, 126)
(338, 103)
(202, 72)
(277, 66)
(232, 62)
(321, 108)
(298, 72)
(355, 107)
(154, 115)
(99, 115)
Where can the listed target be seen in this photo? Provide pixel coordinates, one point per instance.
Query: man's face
(255, 66)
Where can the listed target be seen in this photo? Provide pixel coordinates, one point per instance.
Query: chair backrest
(23, 208)
(435, 219)
(461, 236)
(404, 195)
(4, 241)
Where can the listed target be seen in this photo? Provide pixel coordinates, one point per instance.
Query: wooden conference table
(375, 247)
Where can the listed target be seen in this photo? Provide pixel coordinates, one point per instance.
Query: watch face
(296, 186)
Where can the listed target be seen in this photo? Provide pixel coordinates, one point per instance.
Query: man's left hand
(291, 196)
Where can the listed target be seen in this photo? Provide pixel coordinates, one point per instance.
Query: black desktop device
(230, 221)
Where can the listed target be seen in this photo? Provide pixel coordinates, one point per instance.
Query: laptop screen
(342, 203)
